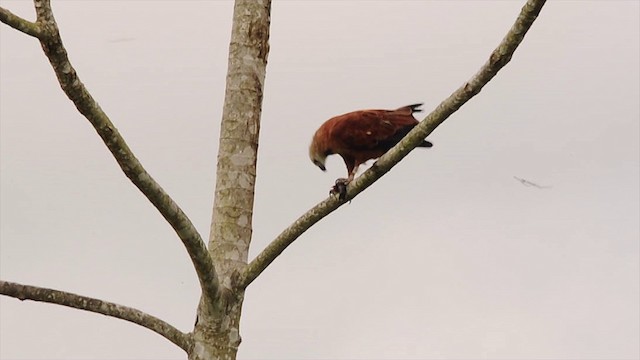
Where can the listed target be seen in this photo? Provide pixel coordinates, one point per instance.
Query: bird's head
(318, 153)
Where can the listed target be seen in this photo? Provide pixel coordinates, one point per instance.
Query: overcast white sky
(448, 256)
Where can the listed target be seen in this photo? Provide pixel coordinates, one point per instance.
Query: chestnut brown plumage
(362, 135)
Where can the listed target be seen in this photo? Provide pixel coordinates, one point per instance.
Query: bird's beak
(320, 165)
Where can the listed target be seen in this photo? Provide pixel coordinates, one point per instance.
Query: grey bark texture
(217, 331)
(222, 267)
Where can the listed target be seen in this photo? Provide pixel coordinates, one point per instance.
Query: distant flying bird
(360, 136)
(526, 182)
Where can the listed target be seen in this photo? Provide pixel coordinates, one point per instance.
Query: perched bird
(360, 136)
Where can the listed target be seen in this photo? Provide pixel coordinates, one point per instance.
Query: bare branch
(26, 292)
(133, 169)
(20, 24)
(498, 59)
(288, 236)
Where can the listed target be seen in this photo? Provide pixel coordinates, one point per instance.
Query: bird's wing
(373, 129)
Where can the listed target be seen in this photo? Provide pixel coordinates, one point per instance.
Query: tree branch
(498, 59)
(76, 91)
(19, 23)
(288, 236)
(166, 330)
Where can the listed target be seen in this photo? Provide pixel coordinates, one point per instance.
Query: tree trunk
(216, 334)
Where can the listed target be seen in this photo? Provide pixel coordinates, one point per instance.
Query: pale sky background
(447, 257)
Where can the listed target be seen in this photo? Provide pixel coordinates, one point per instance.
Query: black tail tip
(415, 107)
(426, 143)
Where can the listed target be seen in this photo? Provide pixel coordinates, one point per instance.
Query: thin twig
(498, 59)
(20, 24)
(76, 91)
(26, 292)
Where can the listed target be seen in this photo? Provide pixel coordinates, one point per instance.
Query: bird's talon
(340, 188)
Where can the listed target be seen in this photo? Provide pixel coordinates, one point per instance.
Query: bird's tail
(425, 143)
(409, 109)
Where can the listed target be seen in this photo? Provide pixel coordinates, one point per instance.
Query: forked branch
(25, 292)
(498, 59)
(20, 24)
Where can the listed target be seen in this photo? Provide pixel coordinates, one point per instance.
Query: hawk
(360, 136)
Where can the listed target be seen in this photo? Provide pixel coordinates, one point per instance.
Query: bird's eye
(328, 152)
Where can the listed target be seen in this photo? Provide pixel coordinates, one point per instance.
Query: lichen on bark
(217, 331)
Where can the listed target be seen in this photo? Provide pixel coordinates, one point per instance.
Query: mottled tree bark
(217, 333)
